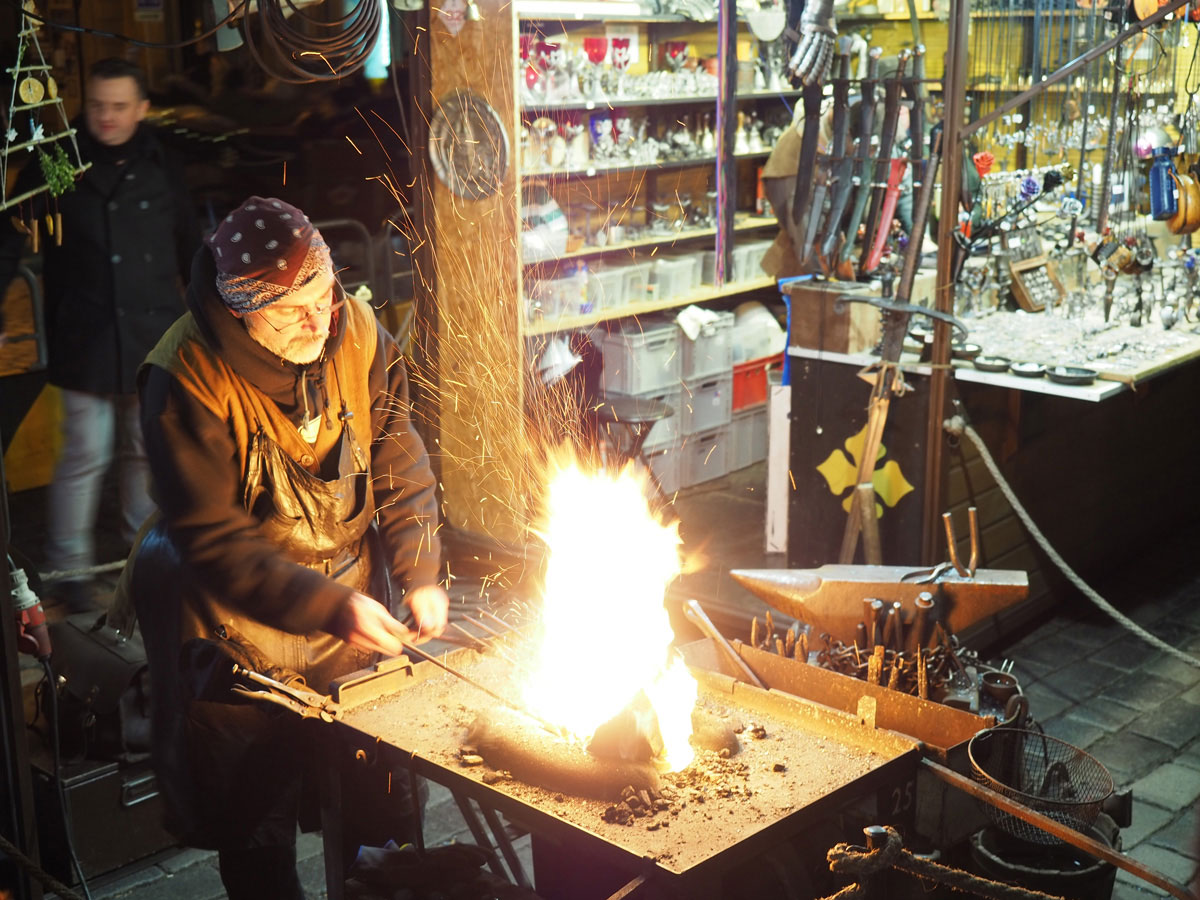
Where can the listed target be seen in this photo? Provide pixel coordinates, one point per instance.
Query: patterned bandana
(264, 249)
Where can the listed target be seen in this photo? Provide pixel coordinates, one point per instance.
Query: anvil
(831, 598)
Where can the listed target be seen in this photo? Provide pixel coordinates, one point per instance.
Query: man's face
(114, 109)
(296, 326)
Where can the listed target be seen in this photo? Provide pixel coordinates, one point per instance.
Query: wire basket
(1043, 773)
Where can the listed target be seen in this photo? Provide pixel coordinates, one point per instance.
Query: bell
(473, 14)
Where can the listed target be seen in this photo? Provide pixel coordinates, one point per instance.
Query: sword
(915, 90)
(825, 177)
(857, 184)
(808, 152)
(887, 137)
(887, 212)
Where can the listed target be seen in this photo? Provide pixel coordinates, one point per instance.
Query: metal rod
(512, 704)
(497, 620)
(1057, 829)
(1071, 67)
(697, 616)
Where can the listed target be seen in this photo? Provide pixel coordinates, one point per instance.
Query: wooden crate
(823, 320)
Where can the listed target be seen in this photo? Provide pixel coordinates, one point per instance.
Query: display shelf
(593, 171)
(582, 10)
(886, 17)
(635, 102)
(750, 223)
(700, 295)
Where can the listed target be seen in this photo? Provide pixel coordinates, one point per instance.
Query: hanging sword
(808, 154)
(915, 91)
(887, 138)
(857, 185)
(829, 166)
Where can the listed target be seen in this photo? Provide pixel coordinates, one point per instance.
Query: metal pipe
(952, 150)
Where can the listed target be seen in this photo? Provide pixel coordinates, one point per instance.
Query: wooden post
(482, 445)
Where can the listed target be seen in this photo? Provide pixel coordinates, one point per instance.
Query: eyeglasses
(290, 317)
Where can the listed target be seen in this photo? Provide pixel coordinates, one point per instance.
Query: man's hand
(430, 606)
(366, 624)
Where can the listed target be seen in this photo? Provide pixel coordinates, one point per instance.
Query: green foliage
(57, 170)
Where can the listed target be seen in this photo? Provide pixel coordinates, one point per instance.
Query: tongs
(973, 519)
(300, 700)
(934, 574)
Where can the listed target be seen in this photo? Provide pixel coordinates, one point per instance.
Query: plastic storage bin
(748, 444)
(553, 297)
(671, 279)
(711, 353)
(637, 281)
(747, 260)
(641, 357)
(750, 381)
(704, 456)
(706, 403)
(606, 287)
(666, 463)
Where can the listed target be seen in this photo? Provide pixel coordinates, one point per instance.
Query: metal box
(116, 813)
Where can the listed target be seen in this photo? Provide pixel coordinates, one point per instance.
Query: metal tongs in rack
(300, 700)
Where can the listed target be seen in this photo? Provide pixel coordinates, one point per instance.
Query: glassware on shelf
(596, 50)
(622, 56)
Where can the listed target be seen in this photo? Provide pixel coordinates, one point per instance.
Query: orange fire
(606, 634)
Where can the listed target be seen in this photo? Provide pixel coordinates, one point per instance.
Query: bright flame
(606, 632)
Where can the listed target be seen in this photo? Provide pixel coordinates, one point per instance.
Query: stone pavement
(1089, 682)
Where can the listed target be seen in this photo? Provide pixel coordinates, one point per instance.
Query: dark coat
(114, 285)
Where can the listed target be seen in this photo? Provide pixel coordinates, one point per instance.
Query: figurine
(741, 144)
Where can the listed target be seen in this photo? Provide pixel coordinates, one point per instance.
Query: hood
(294, 388)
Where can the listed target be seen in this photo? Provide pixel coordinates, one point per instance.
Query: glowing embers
(605, 636)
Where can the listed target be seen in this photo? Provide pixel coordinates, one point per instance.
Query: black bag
(103, 690)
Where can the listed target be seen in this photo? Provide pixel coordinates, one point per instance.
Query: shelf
(750, 223)
(622, 102)
(707, 292)
(596, 10)
(593, 171)
(887, 17)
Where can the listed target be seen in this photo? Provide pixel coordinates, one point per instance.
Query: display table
(1117, 350)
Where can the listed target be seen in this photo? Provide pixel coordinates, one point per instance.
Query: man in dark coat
(112, 287)
(295, 495)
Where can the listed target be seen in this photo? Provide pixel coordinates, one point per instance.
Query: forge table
(807, 762)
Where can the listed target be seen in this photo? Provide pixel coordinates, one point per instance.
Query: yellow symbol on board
(841, 474)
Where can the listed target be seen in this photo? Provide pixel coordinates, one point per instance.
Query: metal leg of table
(331, 829)
(481, 838)
(506, 847)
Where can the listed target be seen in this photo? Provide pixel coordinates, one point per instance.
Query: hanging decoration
(37, 123)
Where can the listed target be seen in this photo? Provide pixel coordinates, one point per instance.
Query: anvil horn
(783, 589)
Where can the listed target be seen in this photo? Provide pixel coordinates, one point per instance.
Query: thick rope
(957, 426)
(14, 853)
(846, 859)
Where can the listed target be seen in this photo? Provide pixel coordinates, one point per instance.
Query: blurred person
(295, 495)
(113, 283)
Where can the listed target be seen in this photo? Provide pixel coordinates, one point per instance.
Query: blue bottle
(1163, 203)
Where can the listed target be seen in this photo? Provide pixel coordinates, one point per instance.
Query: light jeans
(93, 426)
